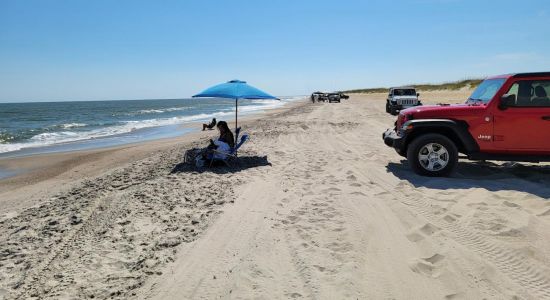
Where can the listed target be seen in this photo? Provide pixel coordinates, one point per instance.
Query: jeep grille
(407, 102)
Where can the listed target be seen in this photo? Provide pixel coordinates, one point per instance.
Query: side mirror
(417, 94)
(507, 101)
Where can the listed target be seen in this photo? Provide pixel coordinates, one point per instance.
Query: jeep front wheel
(432, 155)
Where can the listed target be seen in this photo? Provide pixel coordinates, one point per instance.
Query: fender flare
(458, 128)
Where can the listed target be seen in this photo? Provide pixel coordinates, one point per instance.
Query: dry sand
(318, 208)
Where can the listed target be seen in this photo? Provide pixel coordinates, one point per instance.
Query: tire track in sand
(533, 280)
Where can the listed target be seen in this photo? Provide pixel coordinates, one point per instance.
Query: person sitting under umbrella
(209, 126)
(222, 145)
(217, 149)
(226, 136)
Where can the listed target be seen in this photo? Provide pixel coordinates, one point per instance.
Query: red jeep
(506, 118)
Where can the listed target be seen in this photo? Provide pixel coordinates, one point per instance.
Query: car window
(404, 92)
(530, 93)
(486, 90)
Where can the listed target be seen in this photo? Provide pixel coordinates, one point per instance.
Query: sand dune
(319, 208)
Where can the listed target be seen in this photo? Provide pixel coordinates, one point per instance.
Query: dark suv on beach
(333, 97)
(506, 118)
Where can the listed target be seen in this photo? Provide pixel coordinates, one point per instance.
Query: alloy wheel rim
(433, 157)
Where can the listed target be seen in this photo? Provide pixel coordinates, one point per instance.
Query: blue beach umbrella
(235, 89)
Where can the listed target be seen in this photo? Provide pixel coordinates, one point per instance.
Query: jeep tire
(393, 111)
(387, 107)
(432, 155)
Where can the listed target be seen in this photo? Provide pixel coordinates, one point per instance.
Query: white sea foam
(73, 125)
(150, 111)
(261, 105)
(158, 111)
(10, 147)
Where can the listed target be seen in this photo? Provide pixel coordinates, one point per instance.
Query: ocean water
(43, 127)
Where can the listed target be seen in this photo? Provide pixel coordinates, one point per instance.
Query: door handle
(546, 118)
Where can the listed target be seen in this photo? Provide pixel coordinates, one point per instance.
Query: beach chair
(232, 155)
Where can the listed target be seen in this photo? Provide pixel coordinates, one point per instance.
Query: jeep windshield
(404, 92)
(486, 91)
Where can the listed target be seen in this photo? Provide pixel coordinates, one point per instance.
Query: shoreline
(135, 137)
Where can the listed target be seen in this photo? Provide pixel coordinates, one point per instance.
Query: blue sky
(96, 50)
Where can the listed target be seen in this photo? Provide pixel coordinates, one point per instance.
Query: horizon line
(106, 100)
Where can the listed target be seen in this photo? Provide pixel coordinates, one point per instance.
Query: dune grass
(454, 85)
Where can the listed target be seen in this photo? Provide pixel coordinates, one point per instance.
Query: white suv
(400, 98)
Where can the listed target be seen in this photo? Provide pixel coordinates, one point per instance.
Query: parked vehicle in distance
(400, 98)
(506, 118)
(319, 97)
(343, 96)
(314, 97)
(330, 97)
(333, 97)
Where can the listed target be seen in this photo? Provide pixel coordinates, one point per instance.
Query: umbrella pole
(236, 107)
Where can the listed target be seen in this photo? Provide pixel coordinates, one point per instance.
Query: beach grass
(452, 85)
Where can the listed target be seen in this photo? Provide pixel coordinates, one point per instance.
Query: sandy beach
(317, 208)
